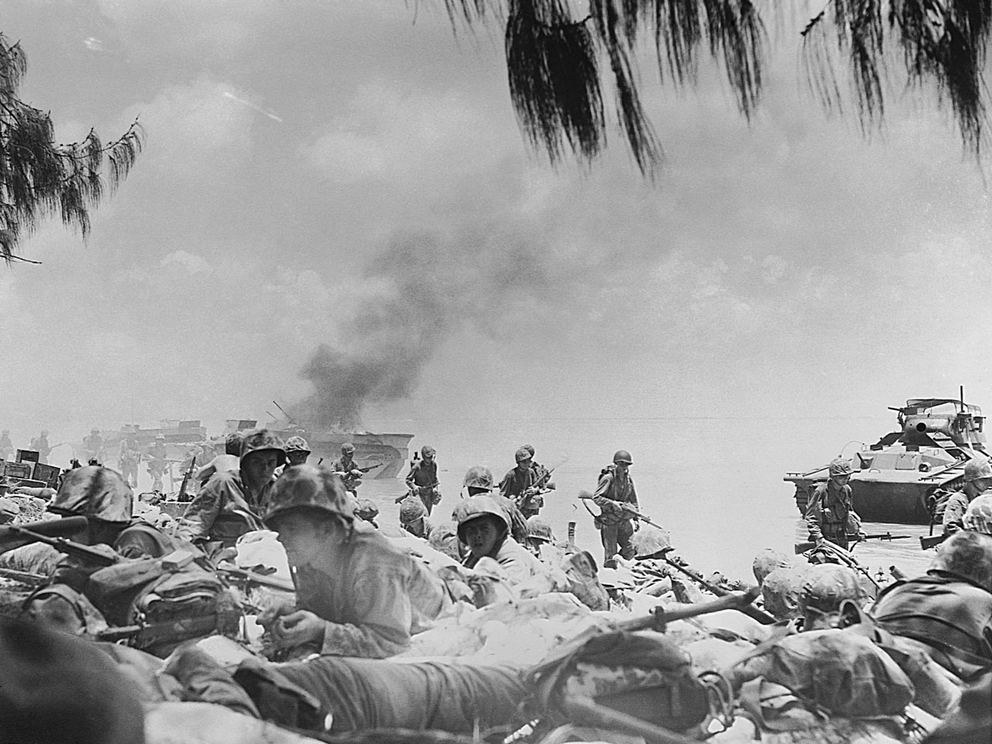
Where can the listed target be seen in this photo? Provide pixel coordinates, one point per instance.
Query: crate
(27, 455)
(17, 470)
(49, 474)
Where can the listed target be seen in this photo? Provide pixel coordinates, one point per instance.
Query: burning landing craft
(896, 479)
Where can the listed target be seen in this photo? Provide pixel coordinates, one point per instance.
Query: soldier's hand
(637, 525)
(297, 628)
(355, 473)
(950, 528)
(274, 607)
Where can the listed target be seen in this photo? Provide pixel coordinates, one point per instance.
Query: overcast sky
(351, 173)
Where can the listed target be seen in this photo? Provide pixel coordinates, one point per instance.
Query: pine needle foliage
(561, 67)
(40, 178)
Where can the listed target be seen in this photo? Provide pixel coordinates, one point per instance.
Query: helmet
(479, 476)
(478, 507)
(827, 585)
(780, 591)
(444, 540)
(622, 456)
(539, 529)
(347, 448)
(649, 541)
(412, 509)
(522, 455)
(767, 561)
(262, 439)
(427, 451)
(96, 493)
(966, 553)
(975, 469)
(529, 448)
(232, 444)
(978, 515)
(311, 488)
(366, 510)
(297, 444)
(97, 431)
(840, 467)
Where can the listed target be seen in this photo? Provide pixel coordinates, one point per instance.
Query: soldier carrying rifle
(422, 479)
(615, 524)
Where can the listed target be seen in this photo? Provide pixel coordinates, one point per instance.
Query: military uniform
(951, 615)
(422, 480)
(830, 514)
(6, 447)
(40, 445)
(615, 526)
(156, 456)
(224, 509)
(130, 454)
(345, 464)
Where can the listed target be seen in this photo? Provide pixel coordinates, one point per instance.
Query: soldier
(518, 480)
(101, 495)
(6, 446)
(231, 502)
(830, 514)
(129, 457)
(156, 457)
(40, 445)
(422, 479)
(413, 517)
(356, 593)
(347, 468)
(977, 480)
(367, 511)
(825, 587)
(949, 608)
(978, 516)
(615, 525)
(538, 533)
(230, 460)
(297, 451)
(479, 482)
(484, 527)
(93, 444)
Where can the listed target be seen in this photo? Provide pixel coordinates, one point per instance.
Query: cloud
(191, 263)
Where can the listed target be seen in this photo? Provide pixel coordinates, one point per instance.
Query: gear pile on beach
(269, 605)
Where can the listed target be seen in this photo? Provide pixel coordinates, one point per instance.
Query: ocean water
(716, 487)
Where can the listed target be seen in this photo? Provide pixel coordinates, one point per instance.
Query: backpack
(841, 672)
(647, 677)
(168, 603)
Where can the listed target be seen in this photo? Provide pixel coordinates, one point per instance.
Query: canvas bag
(648, 677)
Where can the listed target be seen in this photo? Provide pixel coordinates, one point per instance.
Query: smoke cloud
(432, 284)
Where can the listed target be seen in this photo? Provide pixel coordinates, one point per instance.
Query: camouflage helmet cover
(767, 561)
(538, 528)
(347, 448)
(522, 455)
(840, 467)
(478, 507)
(262, 439)
(780, 591)
(366, 509)
(427, 451)
(827, 585)
(94, 492)
(412, 509)
(310, 488)
(297, 444)
(529, 448)
(978, 515)
(975, 469)
(966, 553)
(478, 476)
(650, 541)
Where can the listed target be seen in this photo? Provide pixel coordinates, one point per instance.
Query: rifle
(931, 542)
(256, 578)
(805, 546)
(61, 544)
(416, 491)
(185, 484)
(14, 536)
(844, 556)
(632, 511)
(169, 631)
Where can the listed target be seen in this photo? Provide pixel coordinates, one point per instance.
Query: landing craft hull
(392, 450)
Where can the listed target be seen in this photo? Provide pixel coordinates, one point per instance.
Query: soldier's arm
(599, 496)
(202, 511)
(813, 514)
(633, 495)
(954, 514)
(386, 603)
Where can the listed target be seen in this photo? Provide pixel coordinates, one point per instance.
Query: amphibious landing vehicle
(897, 478)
